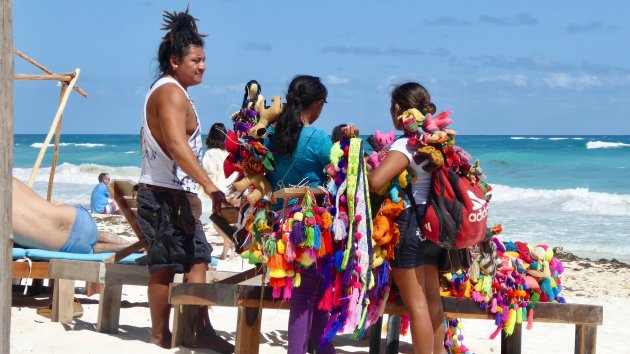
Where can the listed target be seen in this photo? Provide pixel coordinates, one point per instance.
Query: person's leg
(108, 242)
(318, 324)
(302, 304)
(206, 337)
(434, 303)
(159, 307)
(410, 283)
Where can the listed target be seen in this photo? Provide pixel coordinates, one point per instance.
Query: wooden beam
(57, 77)
(53, 166)
(53, 127)
(6, 169)
(44, 69)
(34, 270)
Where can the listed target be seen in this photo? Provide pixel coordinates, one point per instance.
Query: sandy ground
(605, 283)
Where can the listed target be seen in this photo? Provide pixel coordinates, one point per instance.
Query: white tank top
(157, 168)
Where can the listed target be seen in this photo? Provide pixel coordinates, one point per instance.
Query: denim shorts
(176, 237)
(411, 252)
(83, 235)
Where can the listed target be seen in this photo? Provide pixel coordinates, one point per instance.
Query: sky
(502, 67)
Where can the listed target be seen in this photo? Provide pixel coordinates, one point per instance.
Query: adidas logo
(478, 203)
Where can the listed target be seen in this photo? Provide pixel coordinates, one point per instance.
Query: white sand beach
(604, 283)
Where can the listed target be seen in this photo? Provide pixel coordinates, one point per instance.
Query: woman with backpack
(415, 266)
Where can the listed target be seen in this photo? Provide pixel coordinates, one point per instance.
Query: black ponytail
(303, 91)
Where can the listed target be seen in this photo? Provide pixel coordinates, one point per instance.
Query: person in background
(415, 266)
(38, 223)
(100, 202)
(212, 162)
(168, 205)
(337, 133)
(214, 158)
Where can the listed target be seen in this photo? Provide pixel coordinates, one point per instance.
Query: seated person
(100, 202)
(38, 223)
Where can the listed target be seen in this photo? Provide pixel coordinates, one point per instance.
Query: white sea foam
(578, 200)
(85, 174)
(131, 152)
(565, 138)
(605, 145)
(88, 145)
(525, 138)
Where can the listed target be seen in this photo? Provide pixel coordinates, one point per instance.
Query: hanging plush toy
(250, 124)
(383, 143)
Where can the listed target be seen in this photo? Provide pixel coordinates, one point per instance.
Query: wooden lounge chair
(109, 274)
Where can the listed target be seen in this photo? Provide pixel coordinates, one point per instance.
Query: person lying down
(38, 223)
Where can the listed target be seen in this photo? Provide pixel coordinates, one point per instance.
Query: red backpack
(457, 211)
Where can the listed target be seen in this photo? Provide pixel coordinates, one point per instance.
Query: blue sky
(527, 67)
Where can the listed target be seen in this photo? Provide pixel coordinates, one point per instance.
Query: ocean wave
(525, 138)
(86, 174)
(131, 152)
(565, 138)
(577, 200)
(88, 145)
(605, 145)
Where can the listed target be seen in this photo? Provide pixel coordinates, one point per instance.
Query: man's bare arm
(172, 109)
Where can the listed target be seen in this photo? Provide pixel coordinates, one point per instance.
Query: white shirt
(421, 188)
(157, 168)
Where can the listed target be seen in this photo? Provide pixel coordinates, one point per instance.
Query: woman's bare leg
(434, 302)
(410, 283)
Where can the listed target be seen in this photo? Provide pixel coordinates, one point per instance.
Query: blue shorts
(83, 235)
(411, 252)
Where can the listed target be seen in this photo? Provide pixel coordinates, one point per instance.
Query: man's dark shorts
(411, 252)
(170, 221)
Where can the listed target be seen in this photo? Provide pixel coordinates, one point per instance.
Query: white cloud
(387, 83)
(564, 80)
(336, 80)
(517, 80)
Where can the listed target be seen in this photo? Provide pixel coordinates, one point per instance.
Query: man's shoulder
(169, 93)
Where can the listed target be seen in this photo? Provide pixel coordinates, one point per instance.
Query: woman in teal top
(305, 165)
(302, 153)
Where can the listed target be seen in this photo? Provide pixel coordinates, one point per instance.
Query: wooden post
(53, 127)
(53, 166)
(585, 339)
(6, 168)
(512, 344)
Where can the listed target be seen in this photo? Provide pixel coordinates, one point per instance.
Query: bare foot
(163, 341)
(208, 338)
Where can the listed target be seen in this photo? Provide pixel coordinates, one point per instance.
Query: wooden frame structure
(68, 83)
(247, 297)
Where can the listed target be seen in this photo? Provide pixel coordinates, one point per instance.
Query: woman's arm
(395, 162)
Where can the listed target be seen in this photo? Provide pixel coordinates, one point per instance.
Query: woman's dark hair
(337, 133)
(413, 95)
(216, 136)
(303, 91)
(182, 33)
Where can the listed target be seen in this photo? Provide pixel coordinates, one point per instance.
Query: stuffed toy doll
(383, 143)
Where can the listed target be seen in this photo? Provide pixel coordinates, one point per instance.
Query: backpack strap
(414, 206)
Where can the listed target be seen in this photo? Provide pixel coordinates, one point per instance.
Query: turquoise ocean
(569, 191)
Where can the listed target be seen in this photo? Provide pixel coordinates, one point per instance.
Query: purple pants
(305, 320)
